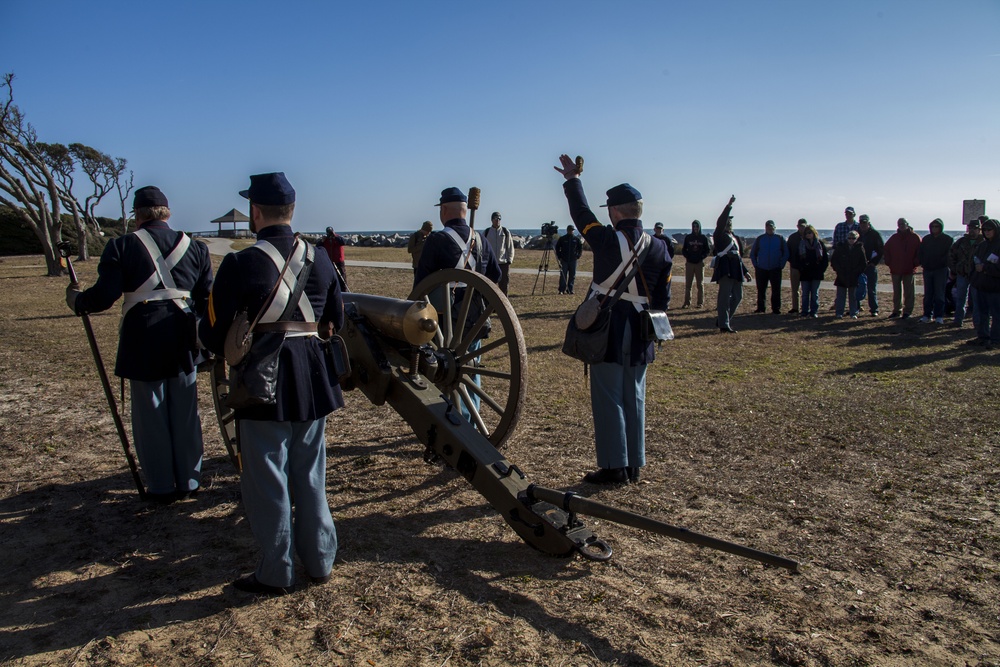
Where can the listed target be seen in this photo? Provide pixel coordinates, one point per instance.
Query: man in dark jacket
(165, 278)
(960, 263)
(569, 247)
(769, 255)
(415, 246)
(695, 249)
(933, 257)
(874, 247)
(848, 261)
(729, 272)
(283, 445)
(986, 279)
(618, 384)
(793, 271)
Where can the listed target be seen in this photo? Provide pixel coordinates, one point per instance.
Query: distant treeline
(17, 239)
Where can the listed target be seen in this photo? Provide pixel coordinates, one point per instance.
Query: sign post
(972, 209)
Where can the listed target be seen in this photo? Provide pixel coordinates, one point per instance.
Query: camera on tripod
(550, 229)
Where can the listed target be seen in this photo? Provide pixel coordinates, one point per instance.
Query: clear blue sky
(799, 108)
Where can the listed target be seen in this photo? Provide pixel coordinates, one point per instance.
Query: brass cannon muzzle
(412, 321)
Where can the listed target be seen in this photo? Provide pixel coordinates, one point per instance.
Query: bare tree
(37, 181)
(103, 172)
(62, 164)
(27, 184)
(124, 188)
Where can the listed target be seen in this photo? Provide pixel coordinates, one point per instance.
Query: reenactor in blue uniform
(450, 248)
(618, 385)
(283, 445)
(165, 278)
(458, 247)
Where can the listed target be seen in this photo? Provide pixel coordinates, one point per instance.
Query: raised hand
(568, 167)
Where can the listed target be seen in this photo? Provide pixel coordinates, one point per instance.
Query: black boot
(607, 476)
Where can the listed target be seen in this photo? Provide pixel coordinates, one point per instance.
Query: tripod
(543, 266)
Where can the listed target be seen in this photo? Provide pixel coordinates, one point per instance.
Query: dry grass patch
(865, 449)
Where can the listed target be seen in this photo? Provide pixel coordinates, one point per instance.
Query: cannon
(450, 360)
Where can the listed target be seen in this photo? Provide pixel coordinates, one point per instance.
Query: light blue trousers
(283, 461)
(618, 402)
(728, 300)
(167, 433)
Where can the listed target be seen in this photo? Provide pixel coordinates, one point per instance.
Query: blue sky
(371, 108)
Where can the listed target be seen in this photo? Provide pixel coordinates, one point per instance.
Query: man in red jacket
(901, 256)
(334, 244)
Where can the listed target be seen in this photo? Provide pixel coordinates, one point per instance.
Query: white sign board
(972, 209)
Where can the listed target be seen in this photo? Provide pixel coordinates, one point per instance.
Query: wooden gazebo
(233, 218)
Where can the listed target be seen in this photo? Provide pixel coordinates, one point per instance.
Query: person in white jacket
(502, 243)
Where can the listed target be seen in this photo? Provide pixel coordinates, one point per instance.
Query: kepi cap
(271, 189)
(449, 195)
(622, 194)
(149, 196)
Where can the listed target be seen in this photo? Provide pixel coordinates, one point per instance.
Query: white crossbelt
(300, 252)
(631, 291)
(162, 266)
(465, 251)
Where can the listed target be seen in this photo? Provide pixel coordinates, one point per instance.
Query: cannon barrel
(571, 502)
(412, 321)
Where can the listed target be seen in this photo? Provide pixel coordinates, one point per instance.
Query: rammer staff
(473, 206)
(64, 252)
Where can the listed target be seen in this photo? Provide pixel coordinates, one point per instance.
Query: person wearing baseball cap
(872, 242)
(502, 243)
(282, 444)
(842, 229)
(618, 382)
(165, 278)
(960, 263)
(769, 254)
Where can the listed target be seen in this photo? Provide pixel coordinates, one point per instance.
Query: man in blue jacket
(283, 445)
(769, 255)
(165, 278)
(618, 384)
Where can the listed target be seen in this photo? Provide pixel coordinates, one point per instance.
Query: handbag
(253, 356)
(589, 346)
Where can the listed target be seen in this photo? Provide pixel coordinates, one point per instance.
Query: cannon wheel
(226, 417)
(500, 360)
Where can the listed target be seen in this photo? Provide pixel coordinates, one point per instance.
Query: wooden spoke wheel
(226, 417)
(485, 376)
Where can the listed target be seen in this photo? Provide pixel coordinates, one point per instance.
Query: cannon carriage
(451, 361)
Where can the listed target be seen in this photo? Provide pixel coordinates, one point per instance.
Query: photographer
(569, 247)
